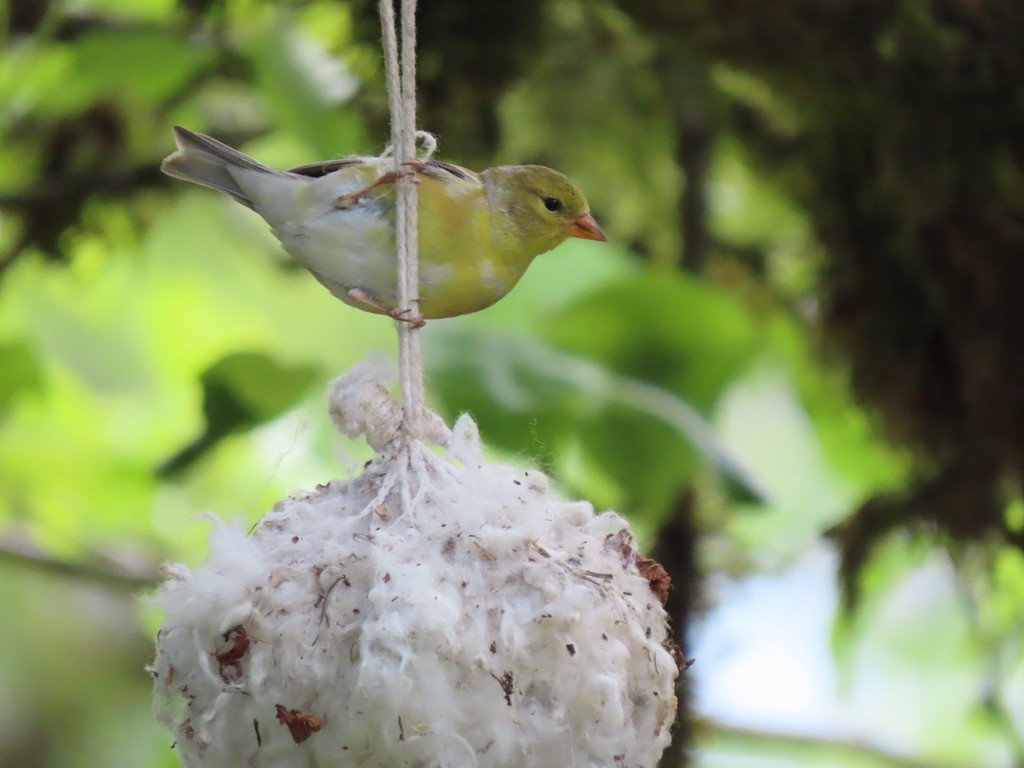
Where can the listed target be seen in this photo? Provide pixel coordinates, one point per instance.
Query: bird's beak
(585, 227)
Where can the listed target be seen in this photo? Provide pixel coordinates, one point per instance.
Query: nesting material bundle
(437, 610)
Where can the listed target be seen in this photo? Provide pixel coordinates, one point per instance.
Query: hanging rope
(401, 83)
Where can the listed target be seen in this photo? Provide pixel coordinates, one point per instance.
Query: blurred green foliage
(160, 358)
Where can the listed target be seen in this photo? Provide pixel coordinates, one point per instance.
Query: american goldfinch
(478, 232)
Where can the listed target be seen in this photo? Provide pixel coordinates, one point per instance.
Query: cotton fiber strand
(490, 624)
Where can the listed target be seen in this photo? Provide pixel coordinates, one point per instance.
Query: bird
(478, 232)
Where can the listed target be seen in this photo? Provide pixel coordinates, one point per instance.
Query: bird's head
(535, 208)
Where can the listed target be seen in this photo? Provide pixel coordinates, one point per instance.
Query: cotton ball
(437, 610)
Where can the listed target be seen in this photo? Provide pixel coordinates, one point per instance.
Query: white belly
(344, 247)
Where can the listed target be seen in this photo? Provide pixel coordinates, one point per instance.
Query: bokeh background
(796, 366)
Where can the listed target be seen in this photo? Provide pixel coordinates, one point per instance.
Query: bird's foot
(360, 296)
(406, 316)
(352, 198)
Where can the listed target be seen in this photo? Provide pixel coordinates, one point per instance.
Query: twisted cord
(401, 84)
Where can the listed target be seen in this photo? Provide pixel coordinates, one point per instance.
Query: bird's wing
(324, 167)
(444, 171)
(435, 169)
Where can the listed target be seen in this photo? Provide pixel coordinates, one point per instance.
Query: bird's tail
(206, 161)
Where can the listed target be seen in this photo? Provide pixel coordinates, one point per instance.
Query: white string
(401, 82)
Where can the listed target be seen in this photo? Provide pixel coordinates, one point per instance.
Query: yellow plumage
(477, 232)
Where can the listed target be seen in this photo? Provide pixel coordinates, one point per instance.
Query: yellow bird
(478, 232)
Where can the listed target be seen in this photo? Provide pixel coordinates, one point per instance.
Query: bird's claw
(406, 316)
(359, 296)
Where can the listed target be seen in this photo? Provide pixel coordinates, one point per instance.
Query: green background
(709, 371)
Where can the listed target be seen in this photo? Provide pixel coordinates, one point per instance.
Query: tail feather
(208, 162)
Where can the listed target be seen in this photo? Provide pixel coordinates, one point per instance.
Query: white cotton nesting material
(490, 624)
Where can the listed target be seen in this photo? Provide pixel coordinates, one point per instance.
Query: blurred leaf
(241, 391)
(641, 453)
(746, 208)
(101, 354)
(502, 379)
(134, 9)
(142, 65)
(1005, 606)
(519, 408)
(260, 386)
(848, 434)
(306, 90)
(21, 372)
(31, 76)
(665, 328)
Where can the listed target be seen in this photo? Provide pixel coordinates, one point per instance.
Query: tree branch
(709, 731)
(106, 574)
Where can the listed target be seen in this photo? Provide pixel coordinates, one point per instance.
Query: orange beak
(585, 227)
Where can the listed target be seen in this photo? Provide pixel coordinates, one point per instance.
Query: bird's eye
(552, 204)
